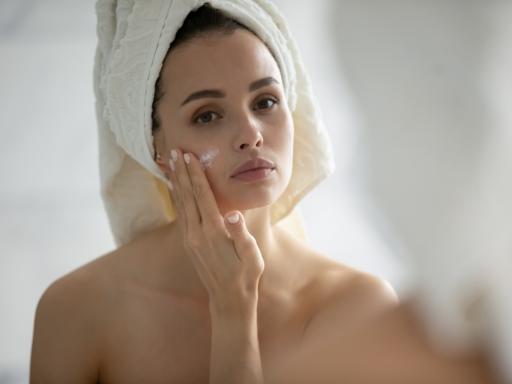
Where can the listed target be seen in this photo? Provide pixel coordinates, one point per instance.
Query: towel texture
(133, 40)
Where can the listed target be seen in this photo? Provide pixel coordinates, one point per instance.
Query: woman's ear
(161, 159)
(162, 163)
(165, 168)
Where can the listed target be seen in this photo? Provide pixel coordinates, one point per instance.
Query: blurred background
(51, 215)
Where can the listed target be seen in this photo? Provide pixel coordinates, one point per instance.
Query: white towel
(134, 37)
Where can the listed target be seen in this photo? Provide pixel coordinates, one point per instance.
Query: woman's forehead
(219, 62)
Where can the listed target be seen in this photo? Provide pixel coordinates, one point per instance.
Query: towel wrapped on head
(133, 40)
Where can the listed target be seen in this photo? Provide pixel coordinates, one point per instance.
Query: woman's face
(224, 102)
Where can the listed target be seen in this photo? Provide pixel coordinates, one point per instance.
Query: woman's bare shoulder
(97, 281)
(88, 292)
(79, 287)
(82, 294)
(68, 318)
(345, 285)
(332, 279)
(342, 295)
(76, 312)
(346, 298)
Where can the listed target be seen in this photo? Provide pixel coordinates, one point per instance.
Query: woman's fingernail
(174, 155)
(187, 158)
(169, 184)
(233, 219)
(171, 163)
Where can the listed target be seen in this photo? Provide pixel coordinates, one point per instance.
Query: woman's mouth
(254, 170)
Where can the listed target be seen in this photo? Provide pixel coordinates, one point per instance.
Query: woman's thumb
(235, 225)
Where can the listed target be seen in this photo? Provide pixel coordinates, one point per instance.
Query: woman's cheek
(211, 162)
(206, 159)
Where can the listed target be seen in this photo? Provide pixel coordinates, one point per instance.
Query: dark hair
(206, 21)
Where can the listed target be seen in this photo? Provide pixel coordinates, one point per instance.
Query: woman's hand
(224, 253)
(229, 263)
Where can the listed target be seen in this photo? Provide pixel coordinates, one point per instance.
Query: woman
(221, 294)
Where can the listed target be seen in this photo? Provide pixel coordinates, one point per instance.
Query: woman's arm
(235, 353)
(229, 263)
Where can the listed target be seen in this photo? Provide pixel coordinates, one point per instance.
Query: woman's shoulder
(332, 279)
(67, 324)
(346, 297)
(338, 286)
(341, 296)
(75, 312)
(95, 286)
(346, 288)
(99, 280)
(339, 281)
(80, 294)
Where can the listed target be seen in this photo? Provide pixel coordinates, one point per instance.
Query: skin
(203, 300)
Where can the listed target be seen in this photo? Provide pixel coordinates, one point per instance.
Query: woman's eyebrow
(262, 83)
(217, 94)
(206, 94)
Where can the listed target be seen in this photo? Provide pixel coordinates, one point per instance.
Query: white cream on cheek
(206, 159)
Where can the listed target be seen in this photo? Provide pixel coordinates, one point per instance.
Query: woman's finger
(204, 196)
(175, 190)
(186, 193)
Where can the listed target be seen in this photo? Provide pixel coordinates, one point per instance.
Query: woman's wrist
(239, 308)
(235, 355)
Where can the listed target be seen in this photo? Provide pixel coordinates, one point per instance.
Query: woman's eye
(207, 117)
(265, 103)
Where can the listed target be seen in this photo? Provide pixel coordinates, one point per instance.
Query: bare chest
(158, 339)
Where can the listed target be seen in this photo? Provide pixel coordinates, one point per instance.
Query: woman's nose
(248, 134)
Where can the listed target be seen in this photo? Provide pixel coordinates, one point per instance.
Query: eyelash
(274, 100)
(203, 114)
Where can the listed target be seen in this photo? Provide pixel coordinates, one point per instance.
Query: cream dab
(206, 159)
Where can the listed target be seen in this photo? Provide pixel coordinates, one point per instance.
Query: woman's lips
(254, 174)
(253, 170)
